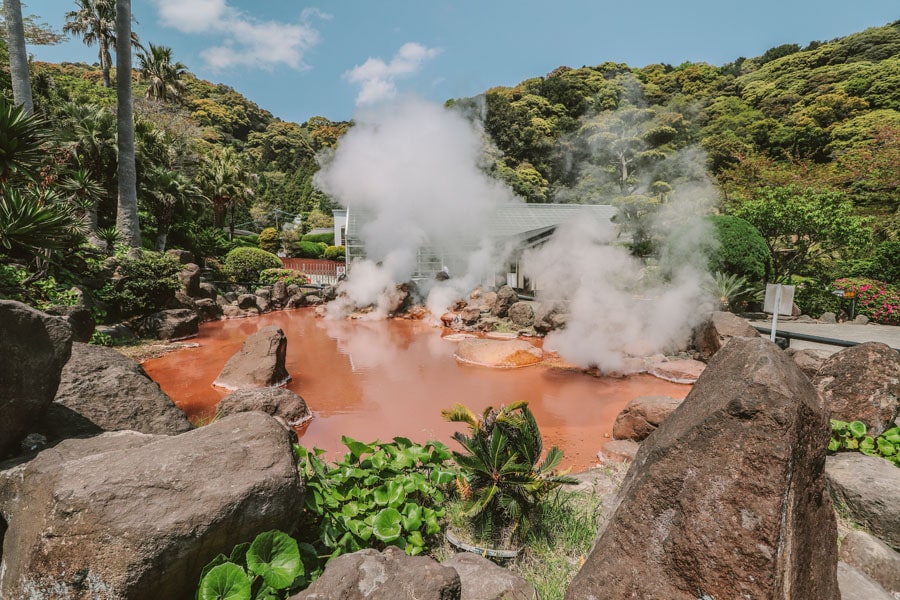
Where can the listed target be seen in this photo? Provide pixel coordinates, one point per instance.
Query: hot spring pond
(380, 379)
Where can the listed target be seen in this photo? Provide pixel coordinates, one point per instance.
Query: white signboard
(785, 302)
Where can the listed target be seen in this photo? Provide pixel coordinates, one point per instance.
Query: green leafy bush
(245, 264)
(325, 238)
(309, 249)
(288, 276)
(338, 253)
(380, 494)
(853, 436)
(814, 297)
(265, 569)
(203, 242)
(269, 240)
(742, 250)
(887, 260)
(877, 300)
(144, 285)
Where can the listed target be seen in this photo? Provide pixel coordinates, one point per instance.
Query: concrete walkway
(887, 334)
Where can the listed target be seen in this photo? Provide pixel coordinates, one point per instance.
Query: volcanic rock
(208, 309)
(184, 257)
(208, 290)
(809, 360)
(245, 301)
(280, 403)
(873, 557)
(506, 297)
(498, 353)
(867, 487)
(259, 362)
(33, 349)
(862, 383)
(102, 390)
(388, 575)
(856, 585)
(190, 279)
(677, 371)
(642, 416)
(721, 327)
(482, 579)
(175, 324)
(263, 299)
(619, 451)
(129, 515)
(727, 498)
(79, 318)
(522, 314)
(279, 294)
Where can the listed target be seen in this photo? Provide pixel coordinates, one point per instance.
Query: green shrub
(326, 238)
(245, 264)
(309, 250)
(853, 436)
(338, 253)
(288, 276)
(245, 241)
(203, 242)
(144, 285)
(742, 249)
(814, 297)
(874, 299)
(269, 240)
(887, 261)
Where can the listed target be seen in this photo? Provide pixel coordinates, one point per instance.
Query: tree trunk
(105, 60)
(161, 237)
(127, 215)
(219, 211)
(18, 56)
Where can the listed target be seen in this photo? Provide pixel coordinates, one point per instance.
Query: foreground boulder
(642, 416)
(280, 403)
(809, 360)
(727, 498)
(131, 516)
(867, 488)
(33, 349)
(482, 579)
(862, 383)
(498, 353)
(174, 324)
(873, 557)
(102, 390)
(711, 336)
(80, 319)
(259, 362)
(856, 585)
(389, 575)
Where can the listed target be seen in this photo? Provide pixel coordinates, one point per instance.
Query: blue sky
(299, 60)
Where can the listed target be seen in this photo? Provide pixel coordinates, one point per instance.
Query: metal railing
(790, 335)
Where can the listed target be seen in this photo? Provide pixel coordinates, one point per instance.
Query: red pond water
(379, 379)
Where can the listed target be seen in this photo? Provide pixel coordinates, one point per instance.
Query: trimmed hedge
(269, 240)
(326, 238)
(742, 249)
(309, 249)
(337, 253)
(245, 264)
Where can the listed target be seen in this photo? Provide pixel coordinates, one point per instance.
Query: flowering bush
(877, 300)
(288, 276)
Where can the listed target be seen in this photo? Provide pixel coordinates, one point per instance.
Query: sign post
(779, 300)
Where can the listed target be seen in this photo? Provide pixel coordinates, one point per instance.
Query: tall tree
(18, 56)
(127, 214)
(220, 182)
(164, 76)
(95, 22)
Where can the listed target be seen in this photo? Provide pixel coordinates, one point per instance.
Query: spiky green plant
(21, 139)
(32, 224)
(733, 291)
(504, 479)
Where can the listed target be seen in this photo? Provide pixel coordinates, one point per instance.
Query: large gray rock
(259, 362)
(190, 279)
(174, 324)
(873, 557)
(862, 383)
(642, 416)
(482, 579)
(867, 488)
(80, 319)
(506, 297)
(810, 360)
(856, 585)
(712, 335)
(102, 390)
(727, 498)
(126, 515)
(280, 403)
(522, 314)
(389, 575)
(33, 349)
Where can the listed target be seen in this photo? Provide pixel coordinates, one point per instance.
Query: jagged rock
(809, 360)
(102, 390)
(559, 320)
(263, 302)
(231, 297)
(208, 290)
(862, 383)
(856, 585)
(280, 403)
(182, 256)
(642, 416)
(279, 294)
(259, 362)
(293, 289)
(619, 451)
(829, 318)
(873, 557)
(715, 333)
(297, 301)
(866, 486)
(543, 317)
(522, 314)
(506, 297)
(329, 293)
(182, 300)
(677, 371)
(498, 353)
(190, 279)
(79, 318)
(312, 299)
(136, 516)
(726, 499)
(483, 580)
(118, 332)
(388, 575)
(175, 324)
(470, 315)
(246, 301)
(33, 349)
(208, 309)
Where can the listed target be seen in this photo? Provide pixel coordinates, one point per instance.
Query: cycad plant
(503, 479)
(734, 291)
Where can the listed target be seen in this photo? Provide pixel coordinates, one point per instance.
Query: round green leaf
(225, 582)
(858, 429)
(387, 525)
(275, 557)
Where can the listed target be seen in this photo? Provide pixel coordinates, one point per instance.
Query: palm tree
(220, 181)
(127, 214)
(156, 66)
(18, 56)
(95, 21)
(163, 191)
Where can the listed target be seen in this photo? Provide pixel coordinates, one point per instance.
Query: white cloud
(378, 78)
(245, 41)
